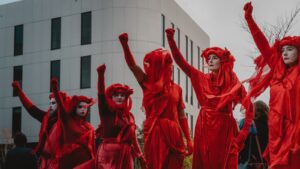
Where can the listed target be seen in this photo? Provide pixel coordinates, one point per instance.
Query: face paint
(82, 109)
(214, 63)
(289, 55)
(118, 98)
(53, 105)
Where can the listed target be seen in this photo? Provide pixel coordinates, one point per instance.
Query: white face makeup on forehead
(82, 109)
(53, 105)
(214, 63)
(118, 98)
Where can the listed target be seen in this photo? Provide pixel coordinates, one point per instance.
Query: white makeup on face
(118, 98)
(214, 62)
(289, 55)
(82, 109)
(53, 105)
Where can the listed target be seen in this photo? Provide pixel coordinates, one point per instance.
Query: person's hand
(248, 8)
(101, 69)
(54, 83)
(170, 32)
(190, 147)
(123, 38)
(16, 85)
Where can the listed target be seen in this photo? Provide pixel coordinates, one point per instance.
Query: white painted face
(214, 63)
(53, 105)
(289, 55)
(82, 109)
(118, 98)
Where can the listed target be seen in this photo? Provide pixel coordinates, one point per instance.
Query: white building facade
(68, 39)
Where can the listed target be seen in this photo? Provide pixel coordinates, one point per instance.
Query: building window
(55, 71)
(163, 27)
(85, 72)
(178, 38)
(18, 43)
(55, 33)
(192, 63)
(187, 59)
(178, 76)
(86, 28)
(16, 120)
(173, 72)
(172, 25)
(18, 76)
(192, 126)
(199, 58)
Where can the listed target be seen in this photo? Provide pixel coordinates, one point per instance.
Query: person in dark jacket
(20, 157)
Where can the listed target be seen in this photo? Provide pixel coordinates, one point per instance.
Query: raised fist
(101, 68)
(123, 38)
(170, 32)
(16, 85)
(248, 8)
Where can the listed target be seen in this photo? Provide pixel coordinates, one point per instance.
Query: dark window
(192, 126)
(187, 59)
(18, 43)
(178, 76)
(86, 28)
(18, 76)
(55, 71)
(163, 24)
(55, 33)
(199, 57)
(178, 38)
(192, 60)
(172, 25)
(16, 120)
(173, 72)
(85, 72)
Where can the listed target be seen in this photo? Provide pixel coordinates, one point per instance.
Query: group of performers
(67, 140)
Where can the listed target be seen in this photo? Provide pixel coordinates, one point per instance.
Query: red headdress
(75, 100)
(119, 88)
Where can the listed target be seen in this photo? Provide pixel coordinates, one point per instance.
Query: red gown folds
(217, 140)
(164, 146)
(283, 148)
(117, 128)
(49, 139)
(78, 145)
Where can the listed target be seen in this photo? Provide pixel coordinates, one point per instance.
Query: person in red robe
(117, 127)
(165, 118)
(78, 146)
(217, 141)
(278, 68)
(48, 136)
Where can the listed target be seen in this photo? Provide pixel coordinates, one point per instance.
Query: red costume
(162, 101)
(78, 135)
(117, 128)
(217, 141)
(284, 81)
(49, 139)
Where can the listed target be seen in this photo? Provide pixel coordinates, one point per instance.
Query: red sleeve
(259, 39)
(136, 70)
(34, 111)
(181, 104)
(179, 59)
(58, 98)
(102, 106)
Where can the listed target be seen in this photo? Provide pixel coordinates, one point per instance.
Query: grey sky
(221, 20)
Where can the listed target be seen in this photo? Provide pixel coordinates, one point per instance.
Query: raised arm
(57, 96)
(179, 59)
(258, 36)
(136, 70)
(34, 111)
(101, 90)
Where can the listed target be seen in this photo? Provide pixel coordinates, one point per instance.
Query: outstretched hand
(170, 32)
(101, 69)
(16, 85)
(248, 8)
(123, 38)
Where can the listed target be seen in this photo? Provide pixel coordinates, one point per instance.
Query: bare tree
(280, 29)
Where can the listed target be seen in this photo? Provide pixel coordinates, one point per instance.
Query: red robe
(48, 137)
(217, 140)
(283, 148)
(117, 129)
(164, 147)
(78, 135)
